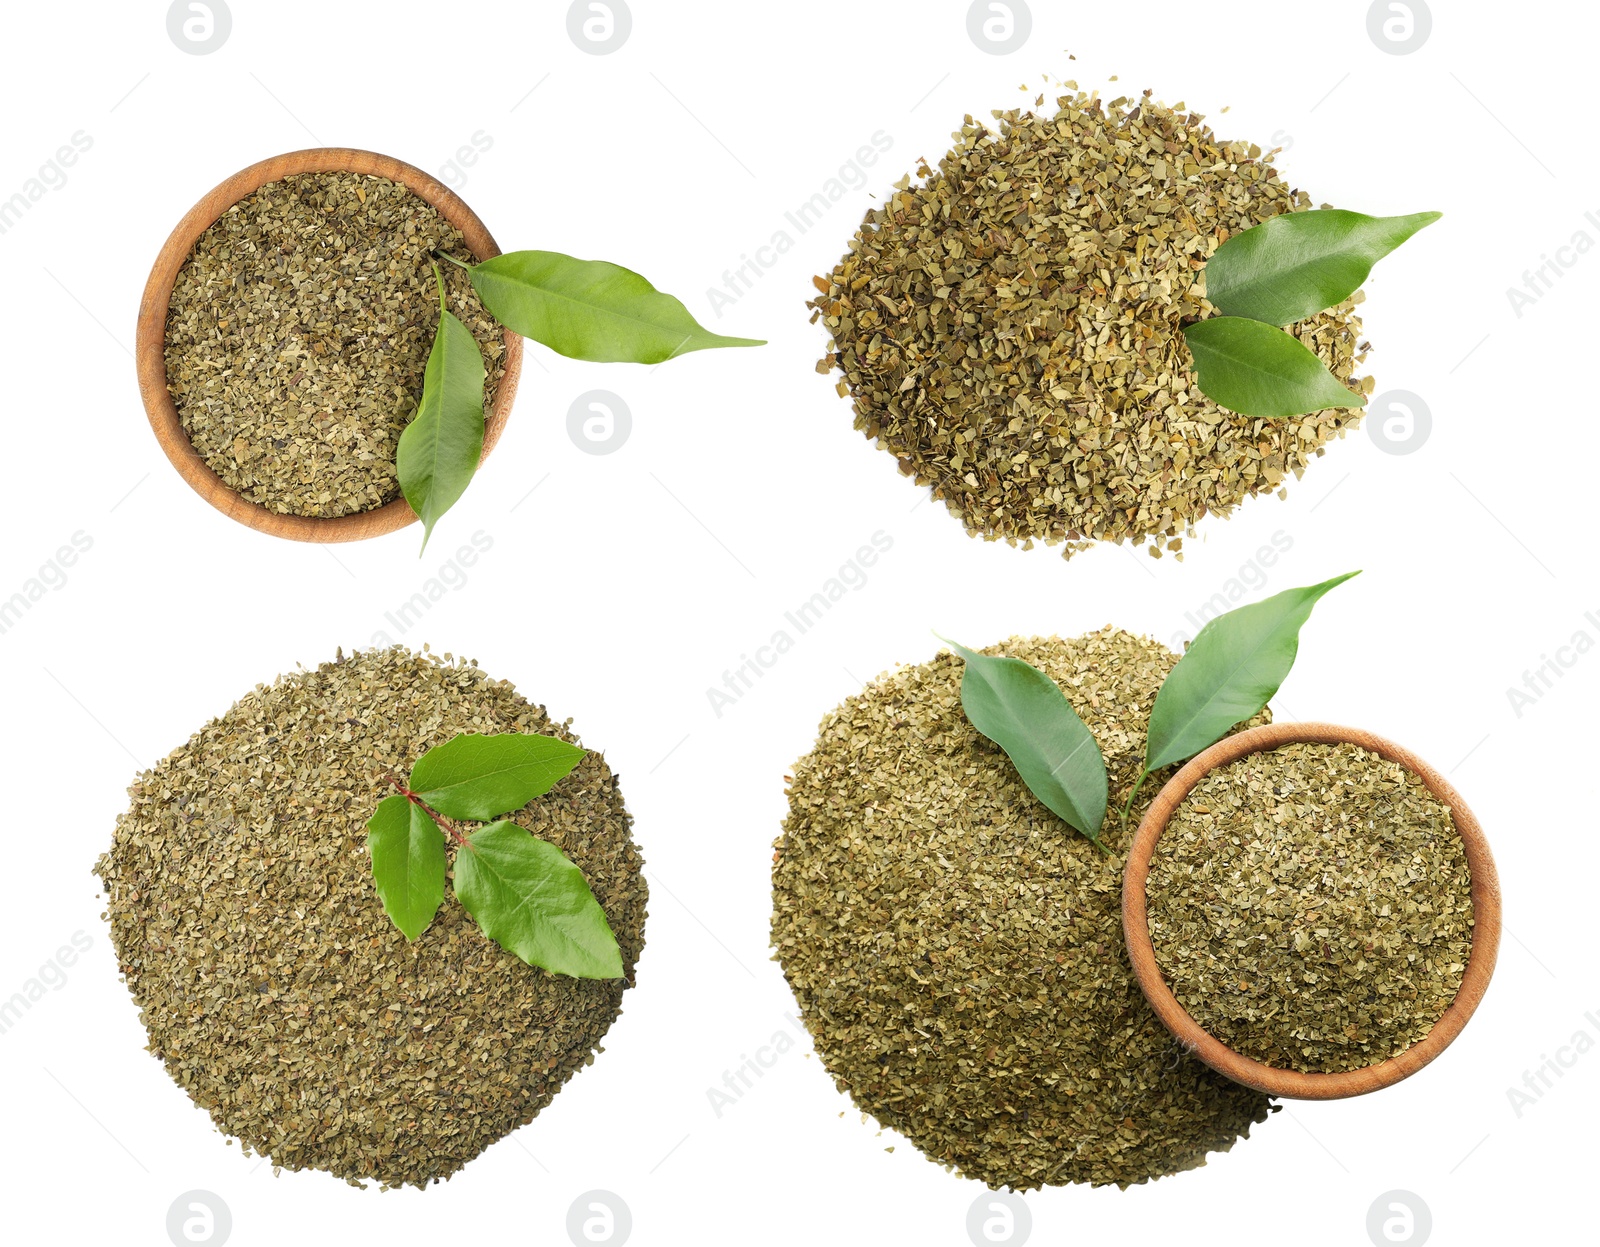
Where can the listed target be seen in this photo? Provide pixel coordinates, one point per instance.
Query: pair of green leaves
(523, 891)
(1277, 273)
(584, 309)
(1229, 672)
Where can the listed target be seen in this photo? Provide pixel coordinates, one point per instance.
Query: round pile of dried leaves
(1311, 907)
(298, 332)
(1010, 329)
(957, 949)
(270, 980)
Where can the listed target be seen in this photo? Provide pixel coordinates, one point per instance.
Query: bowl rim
(150, 339)
(1295, 1084)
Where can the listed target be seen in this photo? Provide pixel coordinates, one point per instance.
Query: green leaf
(1254, 369)
(482, 777)
(1025, 712)
(534, 903)
(1230, 671)
(588, 309)
(440, 448)
(407, 851)
(1300, 263)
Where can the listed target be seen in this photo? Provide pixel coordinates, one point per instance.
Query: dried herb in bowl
(260, 948)
(1311, 907)
(297, 335)
(317, 373)
(1028, 330)
(956, 948)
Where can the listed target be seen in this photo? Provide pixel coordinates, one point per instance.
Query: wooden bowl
(151, 343)
(1285, 1082)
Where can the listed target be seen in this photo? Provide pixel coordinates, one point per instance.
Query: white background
(622, 587)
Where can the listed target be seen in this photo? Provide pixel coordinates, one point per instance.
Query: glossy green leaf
(1230, 671)
(1025, 712)
(440, 448)
(534, 903)
(1255, 369)
(588, 309)
(1297, 264)
(482, 777)
(408, 865)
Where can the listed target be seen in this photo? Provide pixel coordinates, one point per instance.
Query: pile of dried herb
(1311, 907)
(957, 949)
(281, 996)
(297, 336)
(1011, 328)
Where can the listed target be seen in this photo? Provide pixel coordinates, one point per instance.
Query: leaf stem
(458, 263)
(1128, 808)
(434, 814)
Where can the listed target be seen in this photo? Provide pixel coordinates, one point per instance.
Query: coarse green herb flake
(275, 987)
(1009, 326)
(956, 949)
(298, 333)
(1311, 907)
